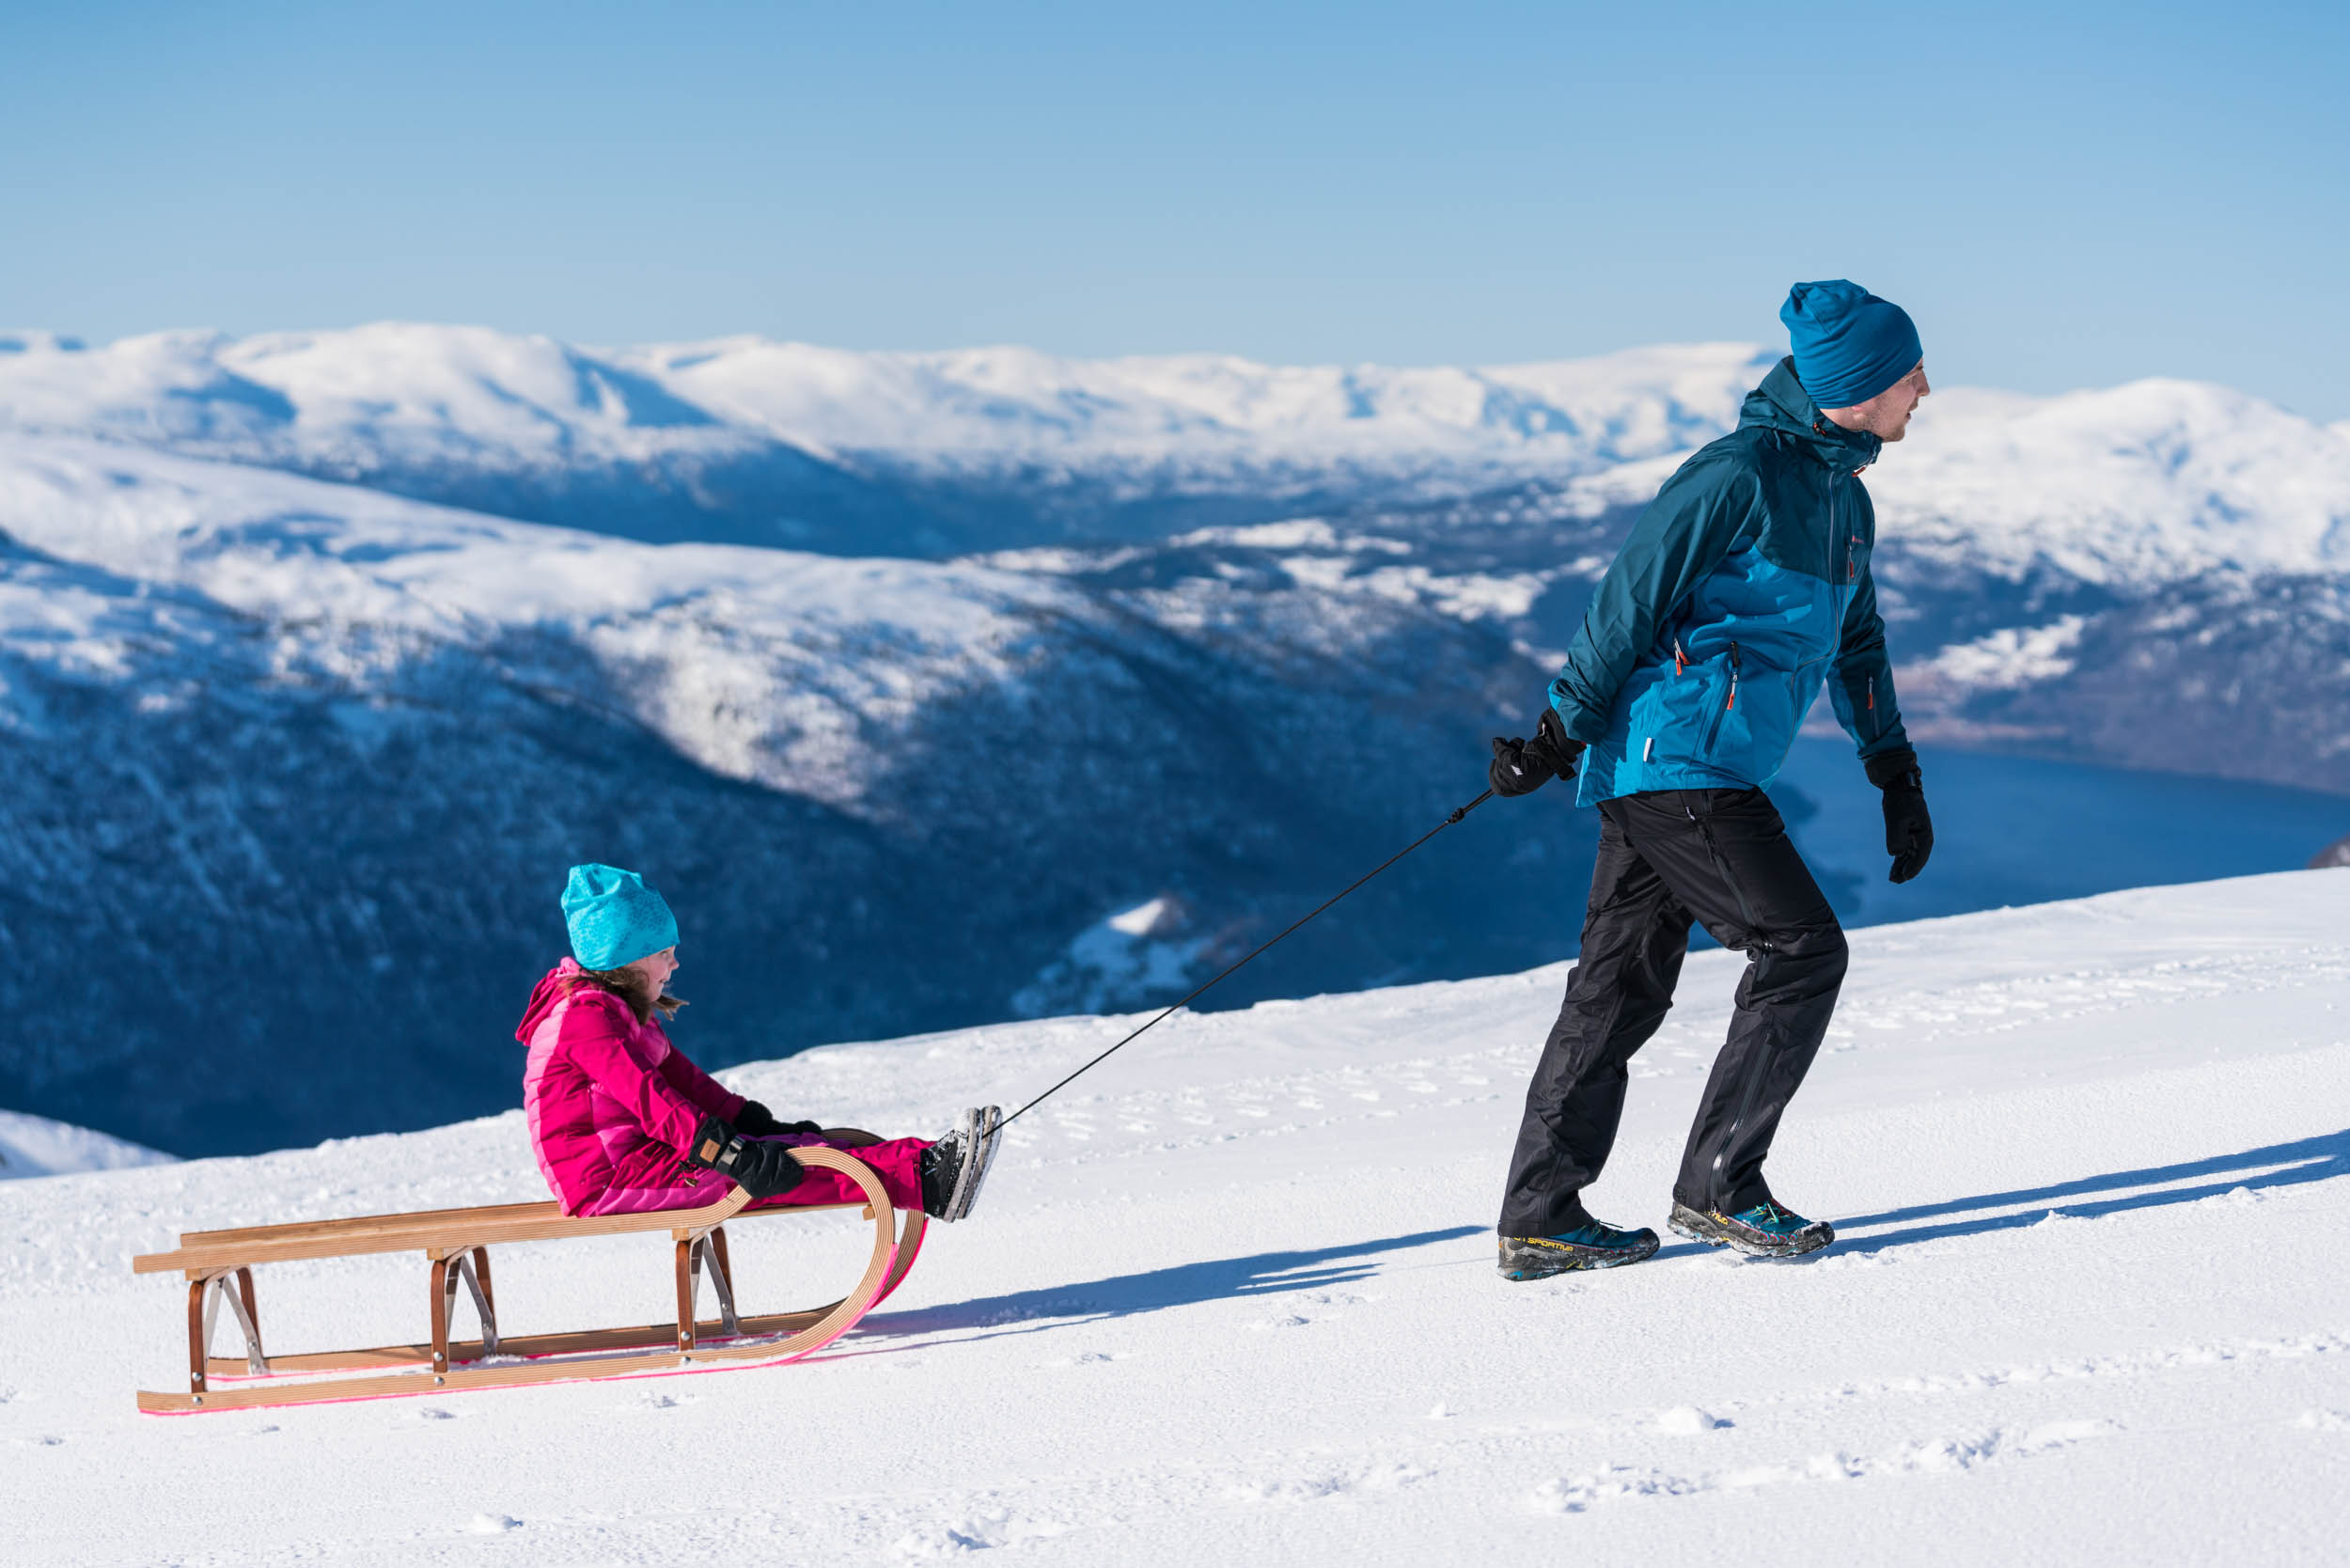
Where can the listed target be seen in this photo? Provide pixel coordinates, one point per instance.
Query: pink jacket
(612, 1103)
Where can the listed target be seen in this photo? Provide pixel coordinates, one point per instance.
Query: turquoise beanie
(615, 918)
(1849, 344)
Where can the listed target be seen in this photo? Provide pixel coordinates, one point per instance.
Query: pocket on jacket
(1751, 736)
(1671, 720)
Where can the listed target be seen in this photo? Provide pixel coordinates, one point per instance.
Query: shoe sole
(991, 1121)
(966, 1135)
(1581, 1259)
(1714, 1230)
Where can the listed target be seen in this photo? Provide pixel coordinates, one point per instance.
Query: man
(1742, 588)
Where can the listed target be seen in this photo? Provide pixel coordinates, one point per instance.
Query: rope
(1178, 1007)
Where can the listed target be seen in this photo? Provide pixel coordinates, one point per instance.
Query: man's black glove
(1521, 767)
(761, 1169)
(1908, 830)
(756, 1121)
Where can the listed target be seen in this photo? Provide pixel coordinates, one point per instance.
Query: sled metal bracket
(206, 1291)
(472, 1268)
(707, 1249)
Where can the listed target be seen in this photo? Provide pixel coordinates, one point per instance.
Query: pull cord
(1178, 1007)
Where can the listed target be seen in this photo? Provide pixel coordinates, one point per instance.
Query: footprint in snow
(1688, 1420)
(1305, 1489)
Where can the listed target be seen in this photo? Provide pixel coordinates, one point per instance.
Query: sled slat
(448, 1230)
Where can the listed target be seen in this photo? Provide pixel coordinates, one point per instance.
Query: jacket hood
(1780, 403)
(545, 997)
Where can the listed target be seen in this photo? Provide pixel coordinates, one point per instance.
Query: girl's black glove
(762, 1169)
(1908, 828)
(1521, 767)
(756, 1121)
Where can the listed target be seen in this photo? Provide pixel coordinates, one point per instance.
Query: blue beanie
(1849, 344)
(615, 918)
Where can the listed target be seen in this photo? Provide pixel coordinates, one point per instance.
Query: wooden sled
(219, 1266)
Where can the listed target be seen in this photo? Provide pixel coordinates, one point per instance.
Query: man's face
(1886, 415)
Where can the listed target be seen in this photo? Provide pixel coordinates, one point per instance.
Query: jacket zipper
(1714, 725)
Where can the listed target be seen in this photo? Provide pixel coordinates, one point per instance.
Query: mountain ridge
(952, 752)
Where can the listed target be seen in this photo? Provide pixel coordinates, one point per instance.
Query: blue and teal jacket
(1744, 586)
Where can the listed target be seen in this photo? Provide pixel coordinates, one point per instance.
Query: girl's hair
(631, 986)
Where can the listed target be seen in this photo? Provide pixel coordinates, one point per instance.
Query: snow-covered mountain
(1231, 1297)
(284, 746)
(749, 439)
(283, 757)
(35, 1146)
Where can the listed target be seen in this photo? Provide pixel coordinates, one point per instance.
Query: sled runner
(218, 1265)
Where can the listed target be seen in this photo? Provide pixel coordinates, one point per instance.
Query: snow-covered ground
(37, 1146)
(1232, 1296)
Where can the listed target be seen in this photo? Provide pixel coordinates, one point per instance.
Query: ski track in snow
(1233, 1294)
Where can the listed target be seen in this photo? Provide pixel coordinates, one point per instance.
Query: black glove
(756, 1121)
(1908, 830)
(761, 1169)
(1521, 767)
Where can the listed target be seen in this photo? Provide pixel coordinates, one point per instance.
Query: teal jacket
(1744, 586)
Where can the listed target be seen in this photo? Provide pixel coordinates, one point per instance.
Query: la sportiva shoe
(1765, 1230)
(1593, 1246)
(953, 1168)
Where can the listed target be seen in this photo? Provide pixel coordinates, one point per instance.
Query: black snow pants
(1719, 856)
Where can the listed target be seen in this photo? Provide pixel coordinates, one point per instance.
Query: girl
(623, 1123)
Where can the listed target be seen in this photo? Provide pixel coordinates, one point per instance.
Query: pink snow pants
(898, 1162)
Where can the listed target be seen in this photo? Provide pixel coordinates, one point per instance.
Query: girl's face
(657, 967)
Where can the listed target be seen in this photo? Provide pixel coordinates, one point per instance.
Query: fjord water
(2019, 830)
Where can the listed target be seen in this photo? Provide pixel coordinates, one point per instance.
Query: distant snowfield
(2127, 485)
(35, 1146)
(1232, 1297)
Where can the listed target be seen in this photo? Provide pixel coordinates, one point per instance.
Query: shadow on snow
(2277, 1164)
(1264, 1274)
(1269, 1274)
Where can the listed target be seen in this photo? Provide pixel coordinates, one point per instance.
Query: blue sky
(2064, 195)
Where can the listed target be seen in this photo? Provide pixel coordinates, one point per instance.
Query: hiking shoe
(1593, 1246)
(1765, 1230)
(953, 1168)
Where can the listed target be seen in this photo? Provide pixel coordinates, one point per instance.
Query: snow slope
(759, 665)
(1232, 1297)
(35, 1146)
